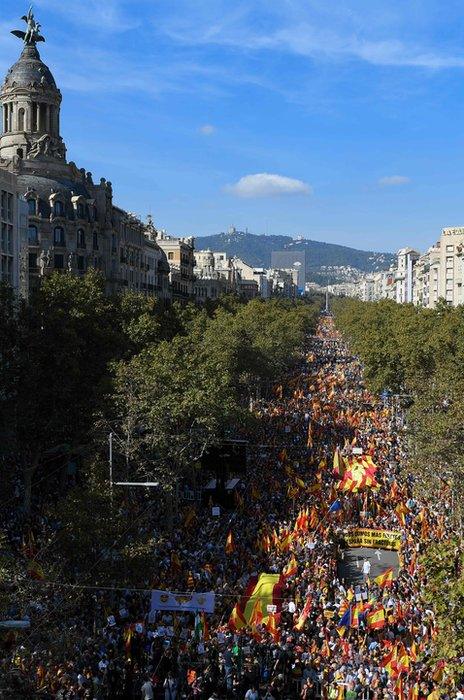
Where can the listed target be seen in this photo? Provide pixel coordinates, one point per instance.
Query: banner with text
(182, 602)
(378, 539)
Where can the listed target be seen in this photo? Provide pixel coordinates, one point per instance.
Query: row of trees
(76, 364)
(417, 356)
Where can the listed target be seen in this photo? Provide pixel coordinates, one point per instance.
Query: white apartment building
(451, 265)
(406, 257)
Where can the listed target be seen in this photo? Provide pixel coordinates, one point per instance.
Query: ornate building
(73, 224)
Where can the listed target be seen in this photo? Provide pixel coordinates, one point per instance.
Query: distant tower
(31, 104)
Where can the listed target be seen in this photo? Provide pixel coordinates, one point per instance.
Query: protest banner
(181, 602)
(378, 539)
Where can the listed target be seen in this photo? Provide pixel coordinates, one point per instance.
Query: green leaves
(173, 400)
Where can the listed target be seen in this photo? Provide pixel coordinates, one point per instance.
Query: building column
(48, 126)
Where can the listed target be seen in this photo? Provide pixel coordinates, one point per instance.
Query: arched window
(33, 236)
(32, 204)
(80, 211)
(21, 119)
(95, 240)
(80, 238)
(58, 208)
(58, 236)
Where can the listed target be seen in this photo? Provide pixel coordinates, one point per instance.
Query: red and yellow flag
(291, 569)
(304, 614)
(260, 592)
(401, 511)
(230, 545)
(376, 618)
(385, 580)
(271, 627)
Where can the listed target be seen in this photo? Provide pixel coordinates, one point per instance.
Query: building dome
(29, 71)
(44, 186)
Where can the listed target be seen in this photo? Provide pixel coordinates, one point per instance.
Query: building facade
(13, 235)
(181, 261)
(288, 260)
(407, 257)
(73, 223)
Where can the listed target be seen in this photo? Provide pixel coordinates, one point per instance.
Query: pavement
(350, 563)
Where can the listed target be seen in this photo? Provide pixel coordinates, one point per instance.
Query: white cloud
(394, 181)
(102, 15)
(315, 31)
(207, 129)
(267, 185)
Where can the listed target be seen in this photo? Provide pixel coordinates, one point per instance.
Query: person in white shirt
(366, 568)
(147, 690)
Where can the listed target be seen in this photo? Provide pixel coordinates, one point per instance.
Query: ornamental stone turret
(31, 104)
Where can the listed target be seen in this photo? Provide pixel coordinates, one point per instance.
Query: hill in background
(321, 258)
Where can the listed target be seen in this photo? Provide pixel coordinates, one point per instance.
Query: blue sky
(340, 121)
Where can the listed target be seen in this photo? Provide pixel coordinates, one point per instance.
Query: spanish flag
(271, 627)
(291, 569)
(376, 618)
(304, 614)
(260, 592)
(385, 580)
(389, 662)
(230, 546)
(404, 663)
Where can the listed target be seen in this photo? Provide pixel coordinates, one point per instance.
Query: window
(449, 248)
(170, 256)
(58, 236)
(32, 235)
(59, 261)
(80, 211)
(21, 119)
(9, 209)
(32, 261)
(80, 238)
(58, 208)
(81, 263)
(32, 205)
(95, 240)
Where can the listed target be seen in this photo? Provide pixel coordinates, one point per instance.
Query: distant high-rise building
(291, 260)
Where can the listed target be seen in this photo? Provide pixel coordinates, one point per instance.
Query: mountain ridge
(256, 250)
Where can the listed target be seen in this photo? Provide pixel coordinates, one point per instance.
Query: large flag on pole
(260, 592)
(359, 475)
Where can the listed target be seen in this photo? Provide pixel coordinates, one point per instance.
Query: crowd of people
(326, 636)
